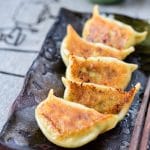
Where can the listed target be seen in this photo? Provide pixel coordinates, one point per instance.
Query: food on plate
(100, 70)
(94, 99)
(73, 44)
(104, 99)
(100, 29)
(69, 124)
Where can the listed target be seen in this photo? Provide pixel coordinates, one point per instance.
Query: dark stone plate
(21, 130)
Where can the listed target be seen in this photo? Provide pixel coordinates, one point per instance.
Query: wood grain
(136, 135)
(146, 132)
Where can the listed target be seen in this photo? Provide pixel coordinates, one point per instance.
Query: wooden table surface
(23, 27)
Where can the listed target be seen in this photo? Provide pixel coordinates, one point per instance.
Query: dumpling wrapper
(99, 29)
(100, 70)
(68, 124)
(104, 99)
(73, 44)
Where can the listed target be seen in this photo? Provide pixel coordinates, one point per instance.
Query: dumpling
(104, 99)
(69, 124)
(100, 29)
(74, 45)
(100, 70)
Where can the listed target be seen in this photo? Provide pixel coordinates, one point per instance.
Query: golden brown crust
(101, 70)
(70, 124)
(104, 99)
(68, 120)
(74, 45)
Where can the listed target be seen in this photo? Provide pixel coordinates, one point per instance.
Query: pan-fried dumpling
(111, 32)
(74, 45)
(100, 70)
(69, 124)
(104, 99)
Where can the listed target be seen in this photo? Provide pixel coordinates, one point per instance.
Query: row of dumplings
(94, 98)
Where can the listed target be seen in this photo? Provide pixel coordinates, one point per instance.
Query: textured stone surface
(10, 87)
(17, 63)
(24, 24)
(133, 8)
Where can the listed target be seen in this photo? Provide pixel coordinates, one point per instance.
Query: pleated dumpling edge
(68, 124)
(100, 29)
(73, 44)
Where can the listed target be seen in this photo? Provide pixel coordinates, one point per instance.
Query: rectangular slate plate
(21, 130)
